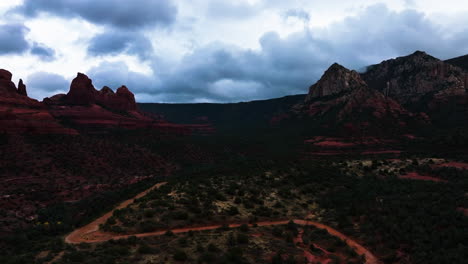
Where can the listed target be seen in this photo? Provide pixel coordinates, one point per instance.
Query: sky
(188, 51)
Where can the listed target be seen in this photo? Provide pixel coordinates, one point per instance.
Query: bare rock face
(341, 97)
(337, 79)
(122, 100)
(408, 79)
(126, 99)
(106, 91)
(5, 75)
(82, 91)
(7, 87)
(22, 88)
(460, 62)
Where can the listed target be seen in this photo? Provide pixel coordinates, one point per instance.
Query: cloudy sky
(216, 50)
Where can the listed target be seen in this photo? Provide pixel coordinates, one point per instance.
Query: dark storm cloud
(12, 39)
(118, 13)
(224, 73)
(116, 42)
(219, 72)
(43, 52)
(42, 84)
(283, 66)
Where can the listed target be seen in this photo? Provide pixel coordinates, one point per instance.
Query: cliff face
(408, 79)
(82, 91)
(22, 88)
(337, 79)
(342, 101)
(460, 62)
(423, 83)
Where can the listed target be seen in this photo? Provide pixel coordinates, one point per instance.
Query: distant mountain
(225, 116)
(392, 96)
(409, 78)
(342, 103)
(422, 83)
(399, 95)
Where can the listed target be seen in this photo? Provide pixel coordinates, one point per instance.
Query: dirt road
(81, 234)
(91, 234)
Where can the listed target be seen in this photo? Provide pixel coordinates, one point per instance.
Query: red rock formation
(21, 114)
(423, 83)
(7, 87)
(337, 79)
(82, 91)
(126, 99)
(408, 79)
(343, 98)
(22, 88)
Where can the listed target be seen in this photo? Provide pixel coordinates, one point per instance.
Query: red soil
(81, 234)
(416, 176)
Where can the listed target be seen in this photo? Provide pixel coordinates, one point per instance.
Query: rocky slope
(423, 83)
(409, 78)
(460, 62)
(342, 102)
(337, 79)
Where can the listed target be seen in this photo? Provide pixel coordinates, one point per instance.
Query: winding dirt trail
(83, 233)
(91, 234)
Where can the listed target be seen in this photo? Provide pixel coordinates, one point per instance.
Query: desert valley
(250, 132)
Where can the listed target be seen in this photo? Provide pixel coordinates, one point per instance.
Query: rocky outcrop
(82, 91)
(125, 99)
(7, 87)
(22, 88)
(337, 79)
(106, 91)
(341, 102)
(82, 108)
(5, 75)
(460, 62)
(408, 79)
(426, 84)
(21, 114)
